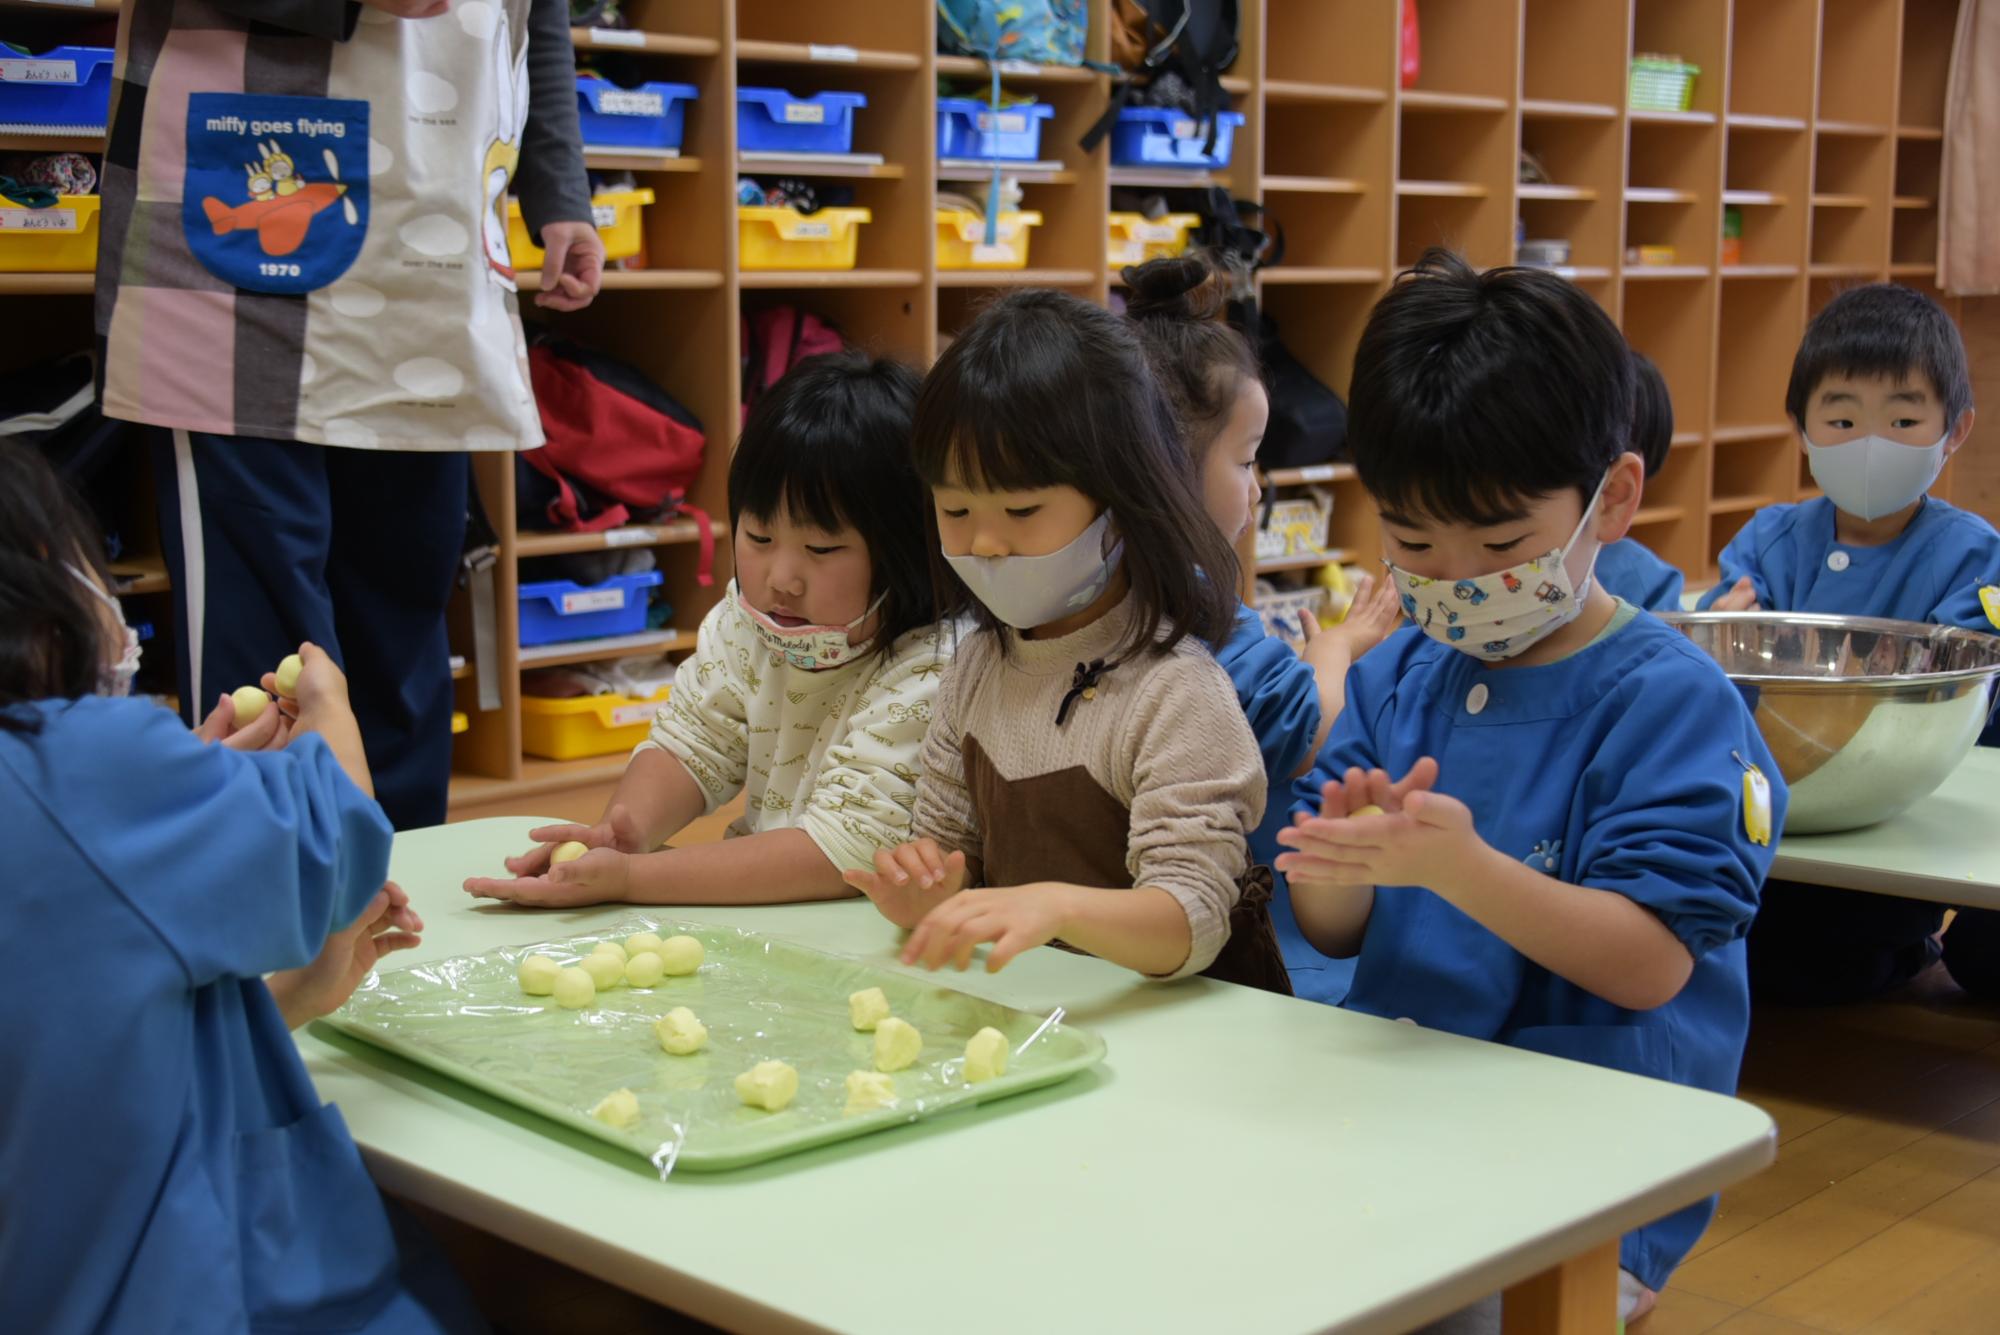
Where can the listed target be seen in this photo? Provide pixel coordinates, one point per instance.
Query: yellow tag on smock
(1756, 806)
(1989, 598)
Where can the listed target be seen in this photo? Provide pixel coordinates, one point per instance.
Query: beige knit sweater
(1152, 780)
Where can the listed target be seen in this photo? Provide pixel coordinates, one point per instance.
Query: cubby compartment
(1767, 181)
(866, 28)
(1769, 75)
(1451, 145)
(1327, 144)
(1759, 330)
(1321, 44)
(1330, 231)
(1726, 519)
(1670, 322)
(1914, 238)
(1574, 52)
(1472, 224)
(1695, 30)
(1752, 473)
(1929, 27)
(1857, 84)
(1676, 502)
(1918, 164)
(1670, 194)
(1467, 47)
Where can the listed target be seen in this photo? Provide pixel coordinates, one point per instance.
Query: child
(1881, 397)
(1210, 377)
(1088, 763)
(813, 679)
(1569, 852)
(168, 1163)
(1628, 568)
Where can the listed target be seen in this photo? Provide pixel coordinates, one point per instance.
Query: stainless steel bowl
(1864, 715)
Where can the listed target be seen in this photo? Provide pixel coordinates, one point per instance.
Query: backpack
(53, 407)
(1040, 32)
(1308, 420)
(774, 341)
(619, 447)
(1176, 51)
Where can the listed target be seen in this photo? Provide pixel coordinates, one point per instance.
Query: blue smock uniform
(1615, 768)
(1280, 697)
(1629, 569)
(1790, 555)
(168, 1164)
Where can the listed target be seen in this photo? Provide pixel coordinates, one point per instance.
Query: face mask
(812, 648)
(115, 680)
(1874, 476)
(1029, 591)
(1497, 616)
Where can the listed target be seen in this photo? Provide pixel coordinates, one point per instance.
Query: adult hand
(572, 265)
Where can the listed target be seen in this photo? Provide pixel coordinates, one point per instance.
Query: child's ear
(1624, 489)
(1960, 433)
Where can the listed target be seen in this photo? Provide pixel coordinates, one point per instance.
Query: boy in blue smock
(1628, 568)
(1881, 397)
(168, 1164)
(1575, 808)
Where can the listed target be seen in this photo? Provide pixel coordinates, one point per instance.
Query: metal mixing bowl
(1865, 715)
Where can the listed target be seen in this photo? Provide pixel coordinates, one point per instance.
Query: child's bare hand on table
(910, 880)
(601, 876)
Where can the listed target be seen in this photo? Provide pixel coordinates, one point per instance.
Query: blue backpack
(1041, 32)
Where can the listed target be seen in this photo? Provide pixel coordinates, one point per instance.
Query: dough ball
(250, 702)
(644, 969)
(606, 971)
(897, 1044)
(609, 948)
(867, 1090)
(568, 852)
(682, 955)
(867, 1008)
(680, 1033)
(575, 989)
(639, 942)
(1370, 810)
(985, 1056)
(768, 1085)
(538, 975)
(289, 668)
(619, 1108)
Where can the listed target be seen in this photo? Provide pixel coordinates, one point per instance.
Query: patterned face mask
(809, 648)
(1494, 617)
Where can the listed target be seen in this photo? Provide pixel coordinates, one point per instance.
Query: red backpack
(618, 446)
(777, 339)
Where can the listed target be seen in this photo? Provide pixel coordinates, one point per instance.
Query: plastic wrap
(760, 999)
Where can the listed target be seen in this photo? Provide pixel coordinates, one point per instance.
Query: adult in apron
(304, 281)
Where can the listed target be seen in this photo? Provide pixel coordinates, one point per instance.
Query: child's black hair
(1652, 414)
(1476, 393)
(1200, 360)
(1048, 390)
(829, 445)
(51, 641)
(1883, 329)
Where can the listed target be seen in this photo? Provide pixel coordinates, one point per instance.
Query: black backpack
(1188, 43)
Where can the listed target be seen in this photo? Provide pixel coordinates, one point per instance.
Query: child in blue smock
(1211, 379)
(168, 1164)
(1628, 568)
(1881, 397)
(1575, 808)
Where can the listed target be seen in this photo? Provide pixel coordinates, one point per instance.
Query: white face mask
(1873, 476)
(811, 648)
(116, 679)
(1494, 617)
(1029, 591)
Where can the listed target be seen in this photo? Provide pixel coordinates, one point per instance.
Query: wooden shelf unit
(1827, 152)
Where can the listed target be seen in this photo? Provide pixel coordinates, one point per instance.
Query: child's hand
(910, 880)
(269, 733)
(1370, 618)
(387, 925)
(618, 830)
(1742, 597)
(572, 265)
(1417, 837)
(1013, 919)
(321, 693)
(601, 876)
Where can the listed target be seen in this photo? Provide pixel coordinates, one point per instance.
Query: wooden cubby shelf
(1539, 108)
(812, 166)
(1330, 556)
(1665, 271)
(1421, 99)
(606, 161)
(1920, 132)
(827, 278)
(1654, 194)
(828, 57)
(1294, 92)
(46, 284)
(617, 646)
(1754, 198)
(1578, 193)
(1305, 477)
(1760, 271)
(1442, 189)
(652, 43)
(632, 535)
(1644, 117)
(1776, 124)
(1314, 185)
(1725, 435)
(1292, 274)
(970, 67)
(1851, 129)
(1016, 277)
(1840, 201)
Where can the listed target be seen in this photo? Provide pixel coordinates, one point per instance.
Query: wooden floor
(1882, 1213)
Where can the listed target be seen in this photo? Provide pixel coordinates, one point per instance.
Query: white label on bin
(1007, 122)
(593, 600)
(37, 71)
(604, 216)
(812, 231)
(630, 537)
(804, 113)
(623, 103)
(1182, 129)
(1157, 232)
(841, 55)
(627, 715)
(1316, 473)
(1027, 67)
(38, 220)
(616, 37)
(984, 254)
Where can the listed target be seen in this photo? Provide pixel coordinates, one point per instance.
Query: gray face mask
(1029, 591)
(117, 678)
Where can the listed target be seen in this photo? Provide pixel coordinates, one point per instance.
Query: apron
(1081, 833)
(318, 246)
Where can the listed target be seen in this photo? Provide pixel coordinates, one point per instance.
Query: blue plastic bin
(969, 128)
(771, 120)
(651, 116)
(68, 87)
(558, 609)
(1164, 137)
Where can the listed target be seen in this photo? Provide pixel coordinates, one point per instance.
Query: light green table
(1241, 1162)
(1944, 848)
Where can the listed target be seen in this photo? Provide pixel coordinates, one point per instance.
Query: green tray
(760, 999)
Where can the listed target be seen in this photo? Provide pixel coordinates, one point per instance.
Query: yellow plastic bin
(587, 725)
(1135, 238)
(617, 214)
(60, 239)
(782, 238)
(961, 240)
